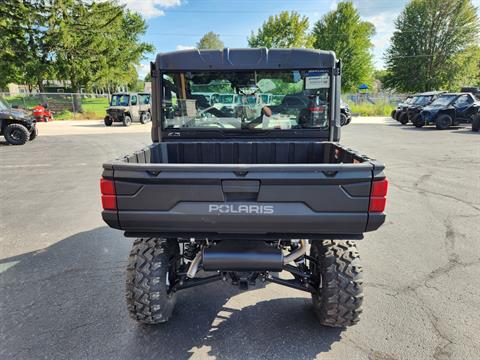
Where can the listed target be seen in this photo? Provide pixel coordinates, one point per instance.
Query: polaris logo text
(240, 209)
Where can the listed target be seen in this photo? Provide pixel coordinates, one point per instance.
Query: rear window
(246, 100)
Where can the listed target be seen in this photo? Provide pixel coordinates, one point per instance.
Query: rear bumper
(291, 220)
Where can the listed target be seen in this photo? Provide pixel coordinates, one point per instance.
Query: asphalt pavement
(62, 270)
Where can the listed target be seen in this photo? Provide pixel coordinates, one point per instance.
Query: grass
(368, 109)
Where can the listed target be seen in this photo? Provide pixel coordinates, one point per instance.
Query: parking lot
(62, 268)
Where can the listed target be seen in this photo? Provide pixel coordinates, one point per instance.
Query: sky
(179, 24)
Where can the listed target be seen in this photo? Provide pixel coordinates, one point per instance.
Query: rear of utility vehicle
(242, 194)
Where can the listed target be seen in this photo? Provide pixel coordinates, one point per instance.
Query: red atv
(42, 114)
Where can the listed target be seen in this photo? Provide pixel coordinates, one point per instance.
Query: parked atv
(16, 125)
(41, 113)
(412, 111)
(450, 109)
(128, 107)
(400, 107)
(345, 113)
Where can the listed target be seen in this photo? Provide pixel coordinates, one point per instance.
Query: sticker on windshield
(318, 81)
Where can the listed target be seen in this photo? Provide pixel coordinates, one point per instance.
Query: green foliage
(432, 46)
(26, 47)
(344, 32)
(285, 30)
(210, 41)
(89, 43)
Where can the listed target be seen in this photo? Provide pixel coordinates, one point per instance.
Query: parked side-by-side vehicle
(449, 109)
(240, 196)
(16, 126)
(128, 107)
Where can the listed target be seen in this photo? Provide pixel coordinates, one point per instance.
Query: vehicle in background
(310, 108)
(412, 111)
(128, 107)
(449, 109)
(144, 103)
(41, 113)
(16, 125)
(239, 199)
(345, 113)
(396, 112)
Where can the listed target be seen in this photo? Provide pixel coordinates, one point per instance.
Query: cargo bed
(243, 189)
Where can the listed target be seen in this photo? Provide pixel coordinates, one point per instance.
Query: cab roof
(245, 59)
(430, 93)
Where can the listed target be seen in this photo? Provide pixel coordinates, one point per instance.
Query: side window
(462, 101)
(133, 101)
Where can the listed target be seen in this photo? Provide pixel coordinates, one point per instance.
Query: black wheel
(338, 275)
(476, 123)
(403, 118)
(33, 134)
(443, 122)
(397, 115)
(145, 117)
(151, 270)
(127, 120)
(343, 120)
(418, 121)
(393, 114)
(16, 134)
(108, 121)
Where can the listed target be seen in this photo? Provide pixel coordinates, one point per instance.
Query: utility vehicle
(449, 109)
(128, 107)
(412, 110)
(16, 125)
(396, 113)
(240, 198)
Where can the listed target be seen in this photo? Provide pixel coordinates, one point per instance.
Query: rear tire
(33, 134)
(16, 134)
(443, 122)
(108, 121)
(145, 117)
(150, 272)
(393, 114)
(418, 121)
(127, 120)
(476, 123)
(339, 296)
(403, 118)
(343, 120)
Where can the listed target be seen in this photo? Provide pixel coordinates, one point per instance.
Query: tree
(429, 45)
(285, 30)
(210, 41)
(98, 43)
(26, 54)
(343, 31)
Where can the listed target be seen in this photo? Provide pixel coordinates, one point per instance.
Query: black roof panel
(245, 59)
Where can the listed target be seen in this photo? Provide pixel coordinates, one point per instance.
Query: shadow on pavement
(67, 301)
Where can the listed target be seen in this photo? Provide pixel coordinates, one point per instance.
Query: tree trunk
(77, 99)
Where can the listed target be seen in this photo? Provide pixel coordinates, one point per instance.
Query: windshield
(4, 105)
(247, 100)
(120, 100)
(423, 100)
(444, 100)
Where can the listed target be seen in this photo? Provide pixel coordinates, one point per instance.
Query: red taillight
(318, 109)
(109, 201)
(378, 196)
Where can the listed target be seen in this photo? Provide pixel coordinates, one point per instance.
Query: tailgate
(192, 199)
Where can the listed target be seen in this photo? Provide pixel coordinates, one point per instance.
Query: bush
(368, 109)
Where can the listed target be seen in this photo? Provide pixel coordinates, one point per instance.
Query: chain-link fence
(65, 106)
